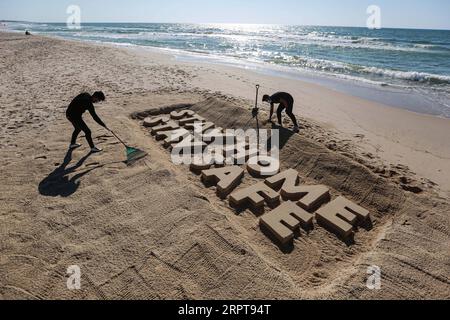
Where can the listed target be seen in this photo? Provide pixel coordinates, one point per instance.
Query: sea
(407, 68)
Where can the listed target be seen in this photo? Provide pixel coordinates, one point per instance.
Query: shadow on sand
(285, 135)
(58, 183)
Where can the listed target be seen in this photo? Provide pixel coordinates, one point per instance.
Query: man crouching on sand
(82, 103)
(286, 102)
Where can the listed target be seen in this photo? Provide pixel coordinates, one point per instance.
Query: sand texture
(155, 231)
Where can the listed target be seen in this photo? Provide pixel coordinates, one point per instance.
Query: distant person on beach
(286, 102)
(82, 103)
(27, 33)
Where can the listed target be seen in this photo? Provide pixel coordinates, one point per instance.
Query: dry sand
(154, 231)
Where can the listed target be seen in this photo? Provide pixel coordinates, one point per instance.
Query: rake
(133, 154)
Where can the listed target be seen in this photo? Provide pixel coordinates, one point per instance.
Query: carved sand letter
(341, 215)
(256, 195)
(154, 121)
(243, 155)
(194, 119)
(263, 166)
(231, 150)
(200, 126)
(285, 220)
(199, 165)
(284, 179)
(169, 126)
(217, 134)
(178, 115)
(311, 197)
(210, 146)
(226, 179)
(172, 137)
(189, 146)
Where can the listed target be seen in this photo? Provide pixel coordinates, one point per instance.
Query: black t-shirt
(80, 105)
(282, 96)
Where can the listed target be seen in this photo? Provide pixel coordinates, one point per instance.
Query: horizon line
(231, 23)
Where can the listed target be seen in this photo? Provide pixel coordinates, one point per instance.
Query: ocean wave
(373, 55)
(352, 69)
(306, 39)
(408, 75)
(433, 47)
(369, 43)
(289, 37)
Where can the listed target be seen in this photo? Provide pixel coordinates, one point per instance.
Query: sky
(427, 14)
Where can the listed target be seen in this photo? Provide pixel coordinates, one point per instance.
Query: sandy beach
(155, 231)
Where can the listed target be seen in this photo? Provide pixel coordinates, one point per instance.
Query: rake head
(134, 155)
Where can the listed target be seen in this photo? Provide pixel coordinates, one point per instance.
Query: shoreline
(410, 97)
(389, 135)
(395, 96)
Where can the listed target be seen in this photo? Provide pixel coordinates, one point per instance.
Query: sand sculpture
(167, 126)
(194, 119)
(152, 122)
(308, 197)
(202, 127)
(294, 205)
(256, 195)
(341, 215)
(189, 145)
(226, 179)
(285, 220)
(178, 115)
(243, 156)
(172, 137)
(263, 166)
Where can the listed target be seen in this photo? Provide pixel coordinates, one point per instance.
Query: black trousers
(289, 111)
(79, 125)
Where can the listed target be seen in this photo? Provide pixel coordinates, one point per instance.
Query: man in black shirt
(286, 102)
(82, 103)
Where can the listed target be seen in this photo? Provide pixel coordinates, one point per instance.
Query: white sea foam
(408, 75)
